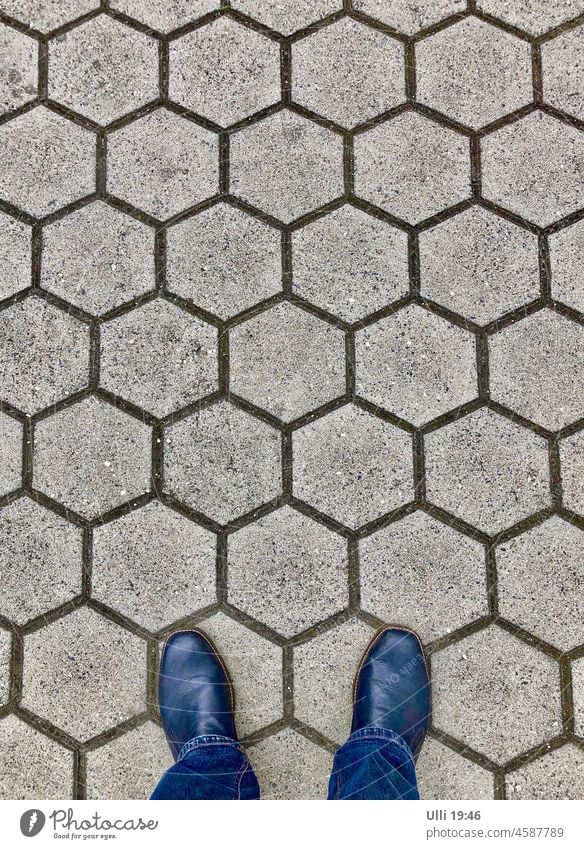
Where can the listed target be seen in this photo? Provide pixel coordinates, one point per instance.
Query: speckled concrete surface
(291, 346)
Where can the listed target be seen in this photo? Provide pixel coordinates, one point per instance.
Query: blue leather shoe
(195, 693)
(392, 687)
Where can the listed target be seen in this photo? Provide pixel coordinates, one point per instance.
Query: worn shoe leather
(195, 693)
(392, 687)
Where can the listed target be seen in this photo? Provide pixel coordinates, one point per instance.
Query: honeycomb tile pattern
(291, 316)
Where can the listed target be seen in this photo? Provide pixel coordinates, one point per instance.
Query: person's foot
(392, 687)
(194, 691)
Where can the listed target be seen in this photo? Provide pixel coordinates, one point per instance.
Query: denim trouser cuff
(206, 740)
(375, 733)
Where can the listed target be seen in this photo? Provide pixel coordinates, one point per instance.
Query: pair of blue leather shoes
(391, 688)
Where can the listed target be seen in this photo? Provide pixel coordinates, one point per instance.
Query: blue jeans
(373, 764)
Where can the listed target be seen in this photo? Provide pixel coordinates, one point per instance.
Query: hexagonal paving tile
(473, 72)
(559, 774)
(154, 566)
(40, 560)
(103, 69)
(533, 16)
(47, 161)
(572, 464)
(348, 72)
(163, 163)
(5, 643)
(44, 355)
(350, 263)
(535, 369)
(578, 687)
(159, 357)
(46, 15)
(492, 674)
(549, 555)
(49, 772)
(287, 16)
(85, 660)
(412, 167)
(444, 774)
(353, 466)
(98, 258)
(566, 258)
(488, 471)
(167, 16)
(15, 256)
(416, 364)
(255, 665)
(479, 265)
(10, 454)
(224, 71)
(324, 669)
(288, 571)
(408, 17)
(286, 165)
(223, 462)
(563, 72)
(289, 766)
(206, 255)
(19, 79)
(413, 572)
(287, 361)
(537, 144)
(92, 457)
(130, 766)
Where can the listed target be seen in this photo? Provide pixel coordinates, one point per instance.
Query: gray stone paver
(165, 16)
(103, 69)
(127, 556)
(159, 357)
(416, 365)
(412, 167)
(223, 260)
(486, 470)
(353, 466)
(539, 144)
(10, 454)
(20, 68)
(303, 564)
(249, 256)
(92, 457)
(44, 355)
(163, 163)
(572, 463)
(130, 766)
(49, 765)
(493, 674)
(408, 17)
(40, 560)
(348, 72)
(480, 265)
(286, 165)
(15, 256)
(98, 258)
(48, 161)
(80, 660)
(419, 570)
(223, 462)
(350, 263)
(536, 369)
(551, 553)
(224, 71)
(473, 72)
(287, 361)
